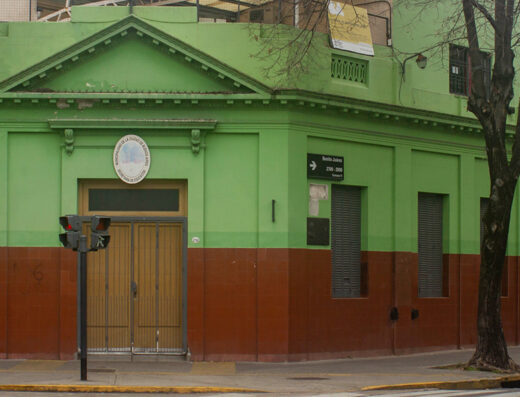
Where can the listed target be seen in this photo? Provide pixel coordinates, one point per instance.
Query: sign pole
(83, 305)
(75, 240)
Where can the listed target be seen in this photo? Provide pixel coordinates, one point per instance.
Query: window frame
(432, 285)
(84, 185)
(464, 62)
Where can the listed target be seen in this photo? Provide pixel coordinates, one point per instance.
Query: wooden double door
(136, 289)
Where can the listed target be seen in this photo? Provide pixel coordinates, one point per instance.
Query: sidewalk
(174, 374)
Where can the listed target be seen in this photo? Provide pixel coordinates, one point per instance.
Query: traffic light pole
(82, 249)
(75, 240)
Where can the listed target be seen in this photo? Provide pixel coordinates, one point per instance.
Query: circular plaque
(131, 159)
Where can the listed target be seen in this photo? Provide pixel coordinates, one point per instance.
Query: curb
(125, 389)
(471, 384)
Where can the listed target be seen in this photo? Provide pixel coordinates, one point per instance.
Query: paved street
(422, 393)
(412, 375)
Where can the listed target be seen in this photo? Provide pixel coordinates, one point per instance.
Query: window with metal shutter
(346, 241)
(430, 245)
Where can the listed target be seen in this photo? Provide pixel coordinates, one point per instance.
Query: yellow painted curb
(125, 389)
(471, 384)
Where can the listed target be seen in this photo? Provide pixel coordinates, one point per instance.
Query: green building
(268, 218)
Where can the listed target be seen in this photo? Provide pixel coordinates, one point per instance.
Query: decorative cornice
(258, 95)
(132, 24)
(83, 100)
(176, 124)
(382, 111)
(283, 99)
(196, 128)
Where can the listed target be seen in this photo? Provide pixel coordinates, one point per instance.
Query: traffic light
(99, 238)
(72, 226)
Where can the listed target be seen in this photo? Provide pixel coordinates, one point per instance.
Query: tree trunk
(491, 351)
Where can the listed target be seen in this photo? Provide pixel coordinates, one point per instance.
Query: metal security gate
(137, 288)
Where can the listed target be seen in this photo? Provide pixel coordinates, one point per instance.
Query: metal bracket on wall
(69, 140)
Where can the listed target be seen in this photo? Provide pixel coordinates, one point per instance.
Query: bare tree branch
(509, 21)
(486, 13)
(477, 94)
(500, 16)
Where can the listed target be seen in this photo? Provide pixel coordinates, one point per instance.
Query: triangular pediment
(131, 56)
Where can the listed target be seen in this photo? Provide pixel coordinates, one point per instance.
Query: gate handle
(134, 288)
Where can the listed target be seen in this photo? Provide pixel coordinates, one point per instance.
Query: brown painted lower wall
(3, 302)
(37, 303)
(238, 304)
(337, 326)
(263, 304)
(285, 310)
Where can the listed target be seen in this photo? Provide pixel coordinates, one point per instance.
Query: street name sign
(324, 166)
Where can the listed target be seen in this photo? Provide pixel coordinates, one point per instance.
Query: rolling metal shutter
(430, 245)
(346, 241)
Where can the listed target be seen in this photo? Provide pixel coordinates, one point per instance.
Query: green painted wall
(238, 46)
(227, 189)
(231, 190)
(33, 186)
(247, 164)
(118, 69)
(370, 167)
(4, 148)
(438, 173)
(258, 150)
